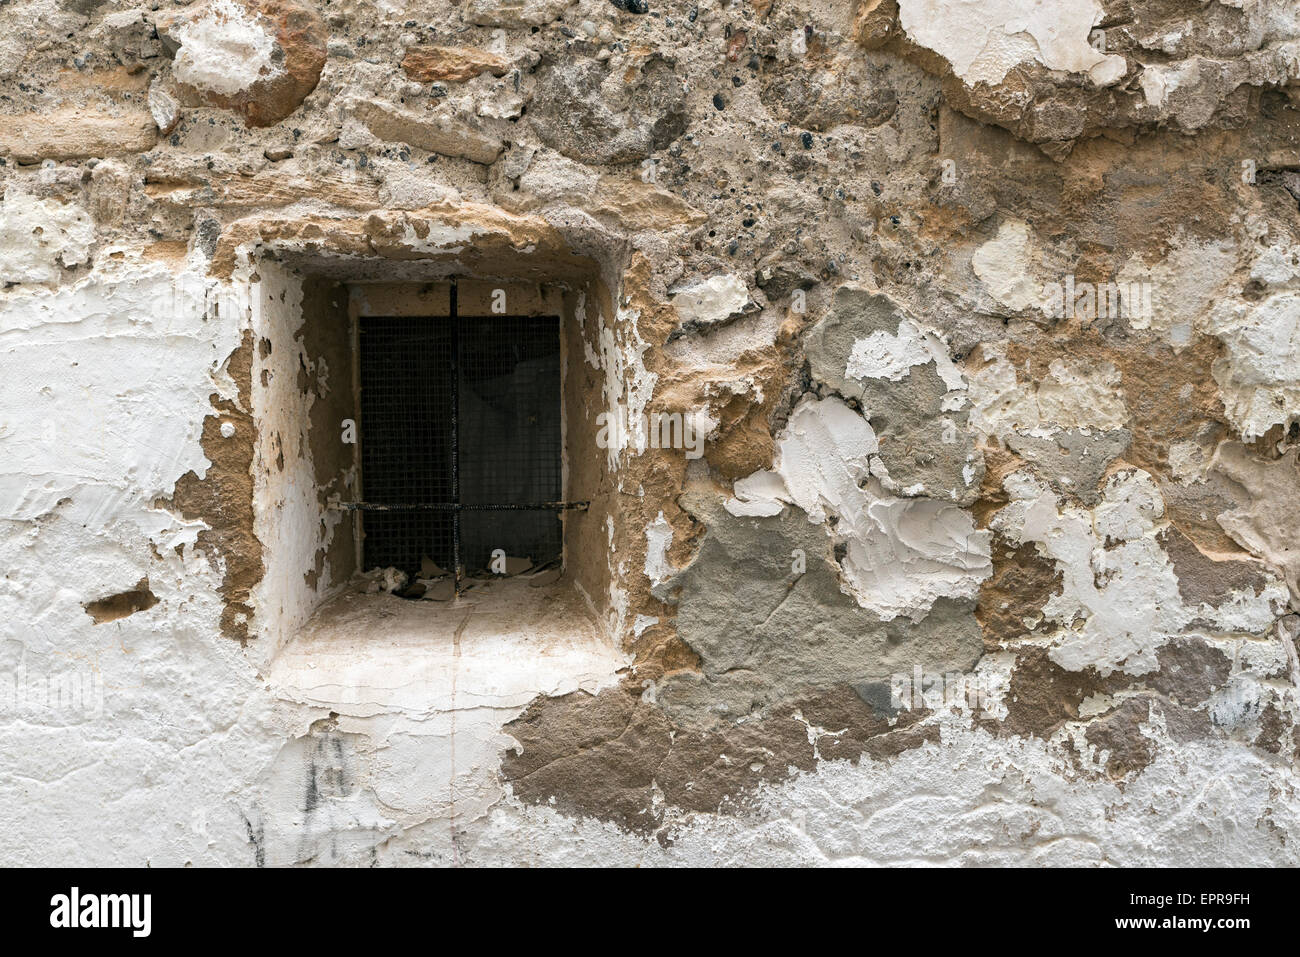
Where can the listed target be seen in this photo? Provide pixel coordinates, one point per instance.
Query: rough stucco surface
(988, 314)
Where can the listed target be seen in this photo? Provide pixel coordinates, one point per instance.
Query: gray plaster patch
(924, 445)
(766, 634)
(1073, 461)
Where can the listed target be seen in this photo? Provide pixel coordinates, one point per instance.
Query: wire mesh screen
(458, 417)
(509, 436)
(406, 439)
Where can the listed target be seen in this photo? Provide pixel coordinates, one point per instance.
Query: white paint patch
(1188, 461)
(1184, 285)
(1278, 265)
(884, 355)
(1075, 394)
(722, 348)
(658, 537)
(288, 519)
(1259, 379)
(1119, 599)
(440, 236)
(224, 50)
(628, 385)
(164, 109)
(1006, 268)
(901, 553)
(38, 236)
(104, 388)
(985, 39)
(112, 431)
(1158, 81)
(712, 300)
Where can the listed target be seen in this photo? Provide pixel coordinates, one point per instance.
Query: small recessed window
(433, 495)
(461, 442)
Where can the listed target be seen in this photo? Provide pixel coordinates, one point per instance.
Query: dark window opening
(460, 433)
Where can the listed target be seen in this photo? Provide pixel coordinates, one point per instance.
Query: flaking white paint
(985, 39)
(712, 300)
(38, 236)
(1119, 599)
(901, 553)
(224, 50)
(1077, 393)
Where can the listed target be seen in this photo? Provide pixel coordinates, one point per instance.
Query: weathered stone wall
(988, 314)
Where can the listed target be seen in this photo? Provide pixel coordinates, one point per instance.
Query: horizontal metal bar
(455, 507)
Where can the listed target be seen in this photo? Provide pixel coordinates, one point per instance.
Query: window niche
(353, 395)
(460, 435)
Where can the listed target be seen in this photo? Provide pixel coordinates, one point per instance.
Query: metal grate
(460, 441)
(406, 436)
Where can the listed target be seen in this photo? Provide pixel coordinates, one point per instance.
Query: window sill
(498, 646)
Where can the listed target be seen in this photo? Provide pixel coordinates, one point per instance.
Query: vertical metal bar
(455, 439)
(359, 489)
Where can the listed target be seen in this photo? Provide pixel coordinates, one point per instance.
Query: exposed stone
(762, 605)
(615, 757)
(1042, 695)
(1190, 671)
(875, 22)
(229, 532)
(76, 132)
(259, 58)
(1206, 579)
(515, 13)
(1011, 601)
(862, 97)
(125, 603)
(437, 134)
(594, 115)
(430, 64)
(1119, 739)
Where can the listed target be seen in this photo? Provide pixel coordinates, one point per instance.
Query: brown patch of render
(223, 499)
(1041, 695)
(1119, 737)
(1011, 600)
(122, 604)
(604, 755)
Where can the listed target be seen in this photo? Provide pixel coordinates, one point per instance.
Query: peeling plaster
(912, 467)
(902, 554)
(1120, 600)
(985, 40)
(38, 236)
(225, 50)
